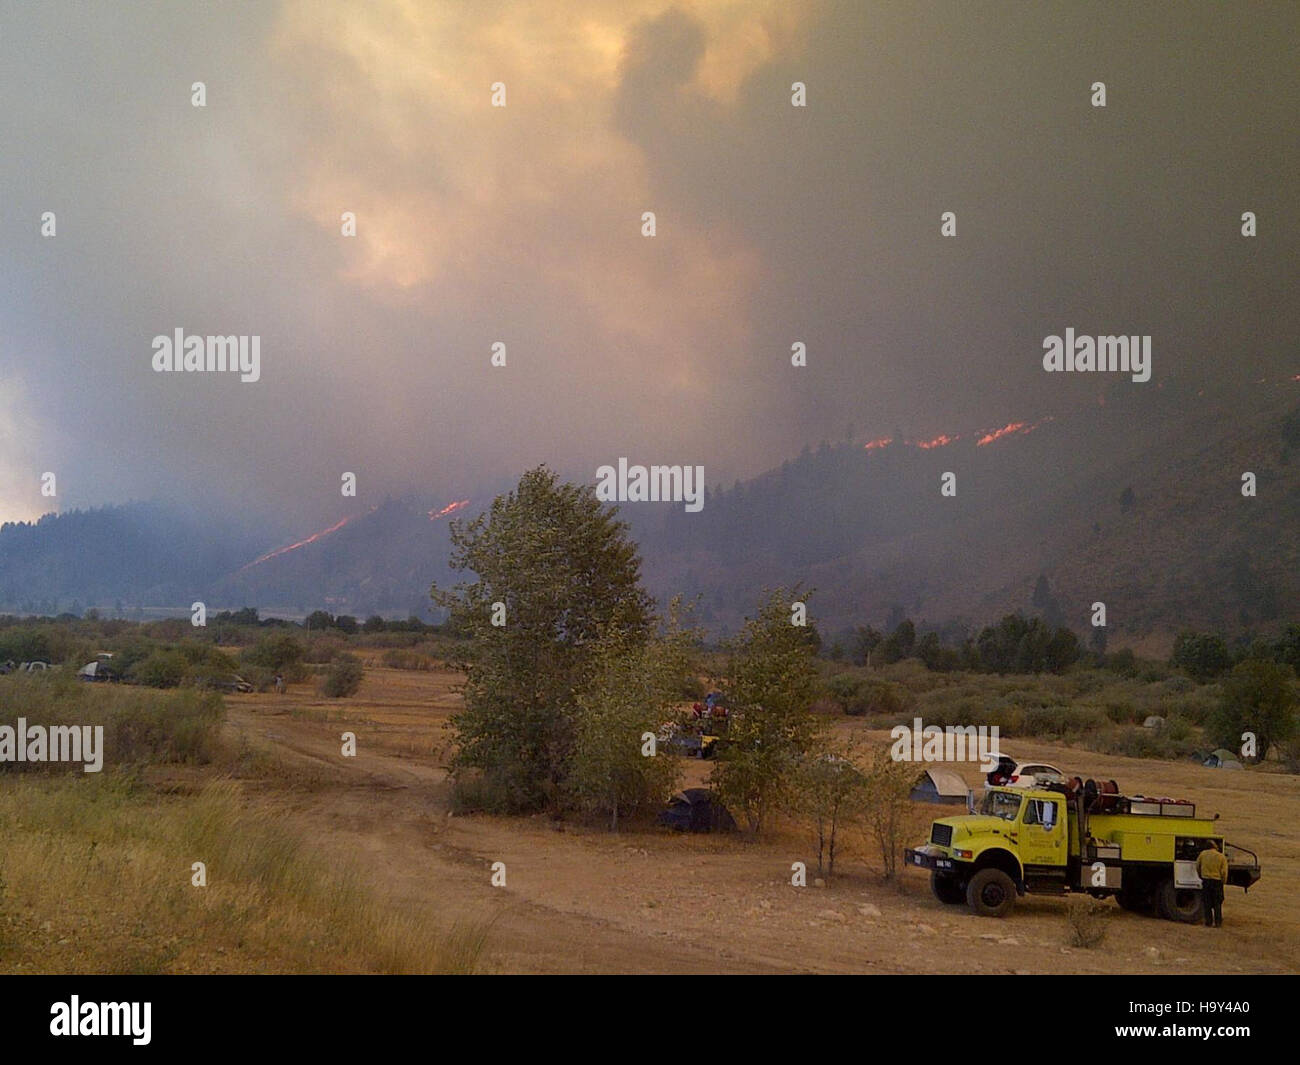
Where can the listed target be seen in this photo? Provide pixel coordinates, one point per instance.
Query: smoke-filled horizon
(775, 224)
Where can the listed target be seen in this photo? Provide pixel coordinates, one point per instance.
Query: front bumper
(930, 857)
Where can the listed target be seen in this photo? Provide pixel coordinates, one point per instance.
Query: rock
(766, 904)
(1009, 941)
(819, 882)
(868, 909)
(924, 929)
(832, 915)
(989, 935)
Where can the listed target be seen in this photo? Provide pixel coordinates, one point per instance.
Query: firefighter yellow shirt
(1212, 865)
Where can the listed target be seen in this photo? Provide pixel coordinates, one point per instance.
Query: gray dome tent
(1222, 758)
(939, 785)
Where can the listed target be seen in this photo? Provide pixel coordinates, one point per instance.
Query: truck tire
(991, 893)
(1135, 895)
(949, 890)
(1179, 904)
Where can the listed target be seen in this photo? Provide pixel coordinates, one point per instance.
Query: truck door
(1042, 832)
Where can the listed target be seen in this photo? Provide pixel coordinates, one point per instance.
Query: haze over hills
(1162, 534)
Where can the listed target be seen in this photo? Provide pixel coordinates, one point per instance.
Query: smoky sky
(522, 224)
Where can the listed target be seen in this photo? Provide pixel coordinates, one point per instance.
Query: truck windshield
(1001, 804)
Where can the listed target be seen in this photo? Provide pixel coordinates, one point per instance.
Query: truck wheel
(991, 893)
(1178, 904)
(949, 890)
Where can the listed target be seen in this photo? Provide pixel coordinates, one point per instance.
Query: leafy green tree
(318, 619)
(900, 643)
(1258, 697)
(1202, 655)
(865, 640)
(1061, 652)
(614, 770)
(556, 569)
(887, 806)
(773, 681)
(374, 623)
(831, 792)
(1286, 649)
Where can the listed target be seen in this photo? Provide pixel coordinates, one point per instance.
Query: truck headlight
(963, 854)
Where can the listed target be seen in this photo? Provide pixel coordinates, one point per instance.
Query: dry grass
(96, 877)
(1086, 922)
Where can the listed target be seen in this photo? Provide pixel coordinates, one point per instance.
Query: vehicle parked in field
(691, 741)
(1009, 773)
(1060, 838)
(231, 682)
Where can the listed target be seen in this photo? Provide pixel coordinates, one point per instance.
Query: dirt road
(578, 900)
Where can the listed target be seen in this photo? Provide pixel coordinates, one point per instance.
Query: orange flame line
(1011, 429)
(302, 543)
(450, 508)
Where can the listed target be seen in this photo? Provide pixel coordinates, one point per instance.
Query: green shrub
(322, 650)
(879, 697)
(278, 651)
(162, 669)
(1061, 721)
(1137, 742)
(343, 677)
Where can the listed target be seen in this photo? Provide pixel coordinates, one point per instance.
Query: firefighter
(1212, 868)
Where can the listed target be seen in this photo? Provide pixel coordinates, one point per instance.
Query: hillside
(869, 530)
(1161, 535)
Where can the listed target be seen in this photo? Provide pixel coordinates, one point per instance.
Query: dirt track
(587, 901)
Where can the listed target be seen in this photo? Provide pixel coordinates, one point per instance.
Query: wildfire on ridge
(303, 543)
(1011, 429)
(450, 508)
(944, 439)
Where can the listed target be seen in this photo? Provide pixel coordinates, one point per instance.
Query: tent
(1222, 758)
(97, 670)
(939, 785)
(1155, 721)
(695, 810)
